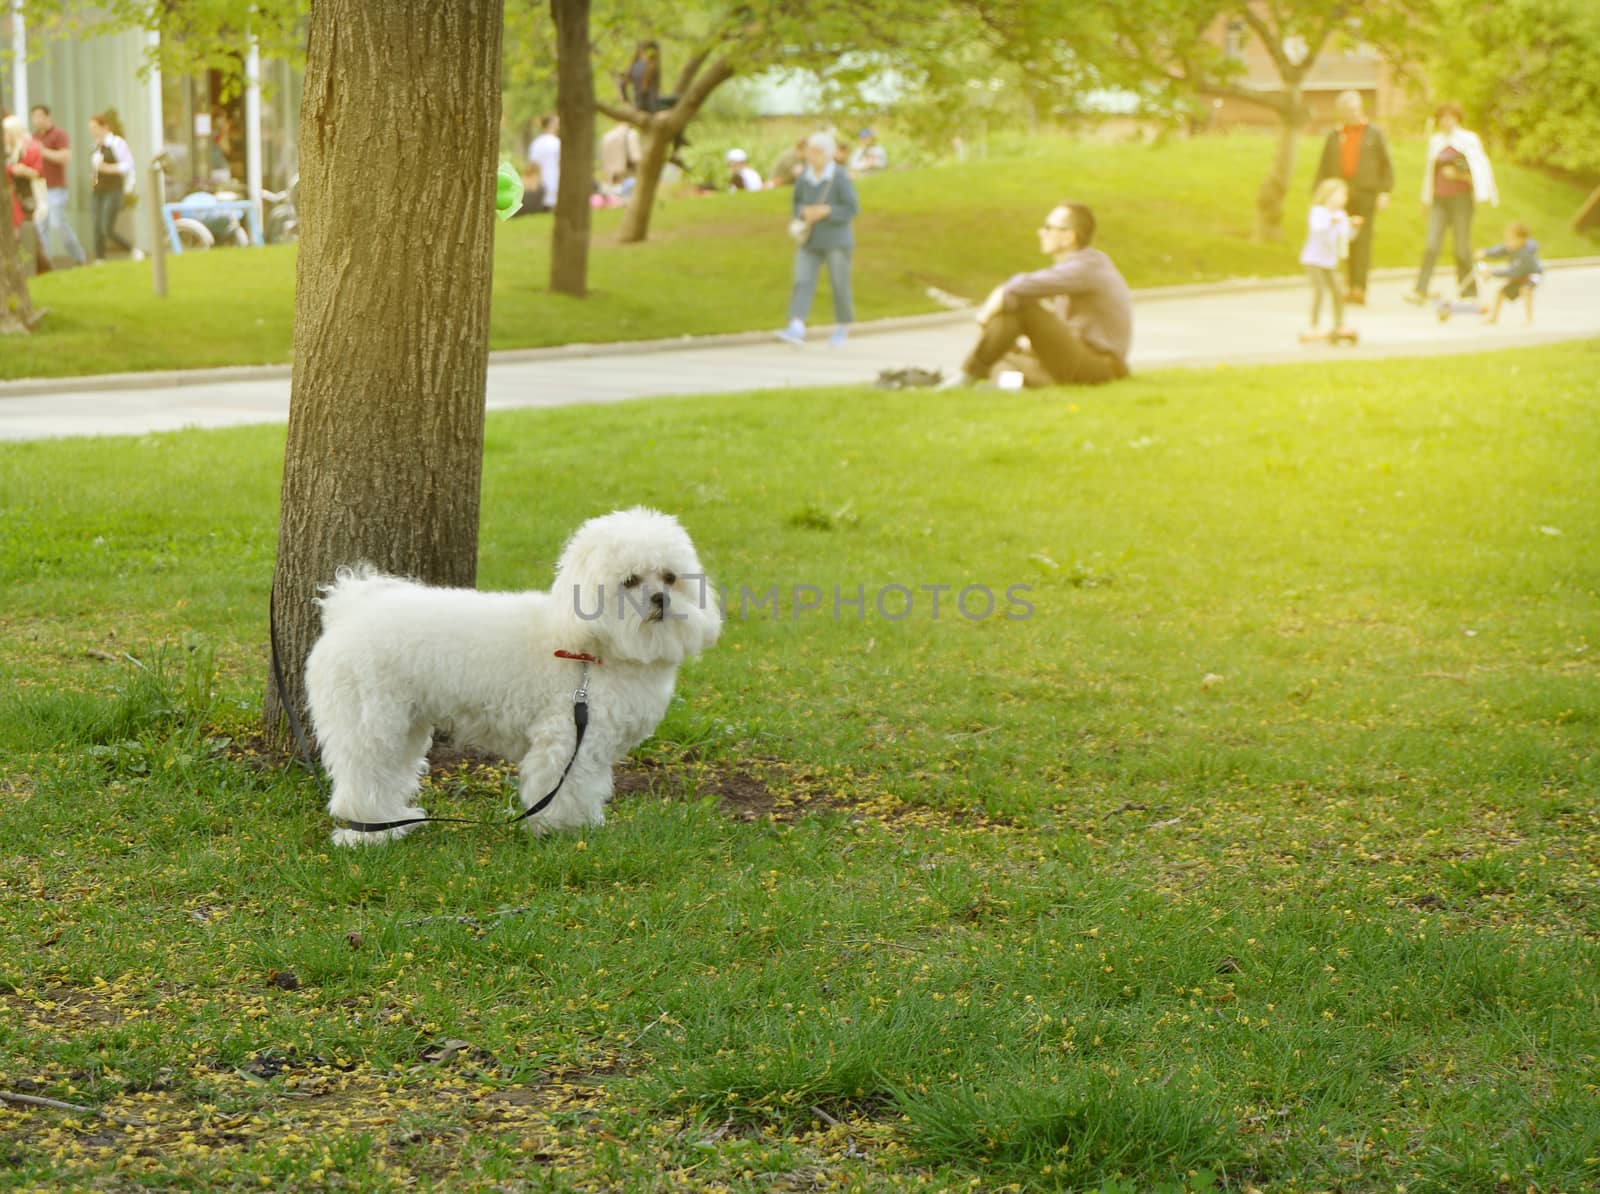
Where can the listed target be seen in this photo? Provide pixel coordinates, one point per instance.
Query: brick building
(1353, 67)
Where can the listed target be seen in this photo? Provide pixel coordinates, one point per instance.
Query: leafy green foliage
(1528, 72)
(196, 36)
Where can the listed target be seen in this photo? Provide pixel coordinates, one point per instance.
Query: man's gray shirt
(1085, 289)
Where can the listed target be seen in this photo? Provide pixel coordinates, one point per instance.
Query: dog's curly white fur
(398, 660)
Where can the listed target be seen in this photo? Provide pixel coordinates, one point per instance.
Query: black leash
(307, 759)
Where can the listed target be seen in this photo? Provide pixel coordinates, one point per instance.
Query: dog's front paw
(563, 820)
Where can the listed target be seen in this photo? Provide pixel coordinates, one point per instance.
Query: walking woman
(112, 170)
(1455, 179)
(824, 207)
(24, 161)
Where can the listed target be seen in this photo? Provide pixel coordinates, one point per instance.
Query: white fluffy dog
(398, 659)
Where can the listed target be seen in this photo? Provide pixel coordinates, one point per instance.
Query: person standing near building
(111, 171)
(57, 151)
(545, 153)
(1356, 153)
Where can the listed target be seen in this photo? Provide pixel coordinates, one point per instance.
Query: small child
(1522, 270)
(1327, 240)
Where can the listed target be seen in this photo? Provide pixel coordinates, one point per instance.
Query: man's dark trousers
(1061, 350)
(1362, 204)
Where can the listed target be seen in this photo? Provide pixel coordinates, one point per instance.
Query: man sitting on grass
(1076, 313)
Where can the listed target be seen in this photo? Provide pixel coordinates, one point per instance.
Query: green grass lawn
(1181, 212)
(1263, 854)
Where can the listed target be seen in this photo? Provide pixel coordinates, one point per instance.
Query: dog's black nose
(659, 600)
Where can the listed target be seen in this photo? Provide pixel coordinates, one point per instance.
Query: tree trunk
(659, 133)
(17, 316)
(1270, 198)
(655, 145)
(569, 239)
(398, 148)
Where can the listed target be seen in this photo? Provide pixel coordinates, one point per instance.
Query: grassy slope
(1178, 213)
(1326, 920)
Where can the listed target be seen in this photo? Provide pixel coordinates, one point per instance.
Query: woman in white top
(112, 170)
(1456, 177)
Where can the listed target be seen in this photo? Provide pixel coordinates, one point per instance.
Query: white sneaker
(961, 381)
(795, 333)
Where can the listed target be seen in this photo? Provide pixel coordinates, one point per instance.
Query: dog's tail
(351, 584)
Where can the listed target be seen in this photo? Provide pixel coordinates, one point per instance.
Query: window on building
(1238, 37)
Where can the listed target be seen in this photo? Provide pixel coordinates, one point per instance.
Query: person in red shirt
(24, 169)
(1356, 152)
(55, 227)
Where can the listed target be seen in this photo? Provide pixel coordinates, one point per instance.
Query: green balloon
(507, 191)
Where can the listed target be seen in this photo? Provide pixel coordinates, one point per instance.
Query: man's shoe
(1356, 297)
(837, 340)
(1415, 297)
(794, 334)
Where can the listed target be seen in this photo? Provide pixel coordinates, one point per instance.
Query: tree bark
(658, 133)
(569, 238)
(17, 316)
(398, 148)
(1275, 188)
(654, 147)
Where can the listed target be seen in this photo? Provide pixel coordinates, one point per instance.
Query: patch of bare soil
(748, 790)
(744, 793)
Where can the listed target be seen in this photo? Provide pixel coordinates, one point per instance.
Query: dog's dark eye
(631, 583)
(669, 578)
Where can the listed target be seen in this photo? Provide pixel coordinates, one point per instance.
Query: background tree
(953, 82)
(1528, 71)
(398, 148)
(197, 36)
(713, 41)
(17, 316)
(569, 239)
(1178, 44)
(734, 36)
(1173, 53)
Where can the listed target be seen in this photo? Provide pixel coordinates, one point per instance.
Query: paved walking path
(1239, 323)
